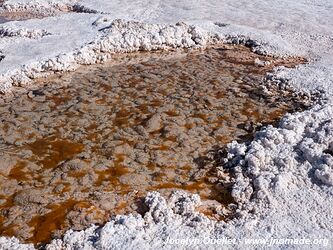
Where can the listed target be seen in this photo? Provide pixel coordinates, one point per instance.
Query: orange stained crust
(17, 172)
(7, 230)
(52, 151)
(112, 174)
(60, 99)
(45, 225)
(172, 112)
(201, 116)
(121, 118)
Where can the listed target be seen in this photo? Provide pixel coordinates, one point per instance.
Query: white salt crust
(283, 179)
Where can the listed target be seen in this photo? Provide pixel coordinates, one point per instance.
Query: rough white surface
(283, 179)
(37, 5)
(92, 38)
(289, 170)
(96, 39)
(302, 27)
(13, 244)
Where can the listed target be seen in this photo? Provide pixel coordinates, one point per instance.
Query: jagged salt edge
(123, 37)
(8, 32)
(37, 6)
(47, 8)
(274, 152)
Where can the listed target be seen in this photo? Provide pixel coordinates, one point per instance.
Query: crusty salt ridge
(93, 39)
(37, 6)
(86, 39)
(116, 36)
(287, 169)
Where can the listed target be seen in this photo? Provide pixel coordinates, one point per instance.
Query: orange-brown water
(86, 145)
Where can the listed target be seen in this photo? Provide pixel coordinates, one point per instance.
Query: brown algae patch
(49, 152)
(80, 147)
(17, 172)
(51, 221)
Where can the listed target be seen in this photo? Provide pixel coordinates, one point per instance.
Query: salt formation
(282, 180)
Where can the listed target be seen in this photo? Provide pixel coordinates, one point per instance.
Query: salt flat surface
(305, 25)
(283, 178)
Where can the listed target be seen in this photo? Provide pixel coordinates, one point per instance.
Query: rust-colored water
(44, 225)
(51, 151)
(108, 134)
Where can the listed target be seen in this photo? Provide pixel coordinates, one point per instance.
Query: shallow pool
(80, 147)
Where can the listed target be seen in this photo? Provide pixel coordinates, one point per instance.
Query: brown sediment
(112, 174)
(209, 212)
(77, 174)
(52, 151)
(67, 187)
(277, 114)
(54, 220)
(163, 147)
(59, 100)
(220, 94)
(250, 110)
(200, 116)
(151, 166)
(121, 207)
(9, 202)
(121, 118)
(222, 139)
(172, 113)
(93, 143)
(9, 229)
(17, 172)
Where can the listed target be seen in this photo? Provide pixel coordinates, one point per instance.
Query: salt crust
(282, 180)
